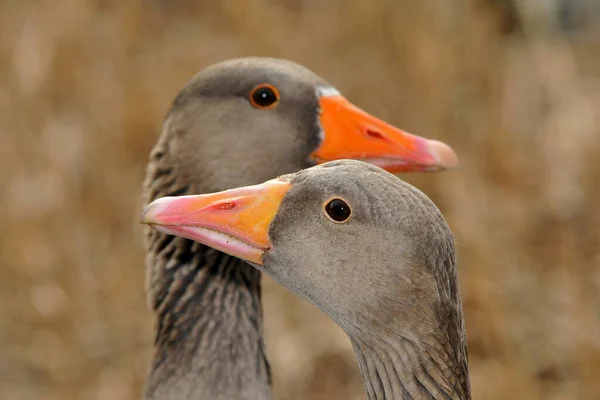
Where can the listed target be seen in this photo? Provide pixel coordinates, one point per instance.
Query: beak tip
(145, 217)
(443, 154)
(152, 212)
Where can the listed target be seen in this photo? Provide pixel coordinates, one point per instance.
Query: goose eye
(264, 96)
(338, 210)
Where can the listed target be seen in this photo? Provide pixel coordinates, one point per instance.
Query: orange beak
(350, 132)
(234, 221)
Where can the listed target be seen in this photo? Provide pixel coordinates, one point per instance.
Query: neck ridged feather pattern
(429, 361)
(403, 370)
(208, 311)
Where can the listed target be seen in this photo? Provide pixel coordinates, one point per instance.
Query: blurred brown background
(514, 87)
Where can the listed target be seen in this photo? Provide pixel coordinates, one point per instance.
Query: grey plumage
(384, 269)
(209, 341)
(207, 304)
(388, 276)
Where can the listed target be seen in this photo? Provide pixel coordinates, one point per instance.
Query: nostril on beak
(374, 134)
(225, 206)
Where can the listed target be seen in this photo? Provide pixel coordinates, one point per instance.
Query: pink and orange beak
(234, 221)
(350, 132)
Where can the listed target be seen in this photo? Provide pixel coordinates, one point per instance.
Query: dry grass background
(84, 85)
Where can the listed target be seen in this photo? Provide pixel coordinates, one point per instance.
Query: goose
(367, 248)
(236, 123)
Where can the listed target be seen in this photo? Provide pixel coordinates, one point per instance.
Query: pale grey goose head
(370, 250)
(241, 122)
(250, 119)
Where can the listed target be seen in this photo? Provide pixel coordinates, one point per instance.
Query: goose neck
(208, 325)
(401, 368)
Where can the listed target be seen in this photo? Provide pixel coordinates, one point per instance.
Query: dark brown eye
(338, 210)
(264, 96)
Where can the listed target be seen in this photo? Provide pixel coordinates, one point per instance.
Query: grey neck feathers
(405, 369)
(208, 312)
(418, 359)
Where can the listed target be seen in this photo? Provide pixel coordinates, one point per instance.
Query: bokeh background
(513, 86)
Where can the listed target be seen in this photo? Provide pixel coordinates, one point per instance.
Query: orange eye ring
(264, 96)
